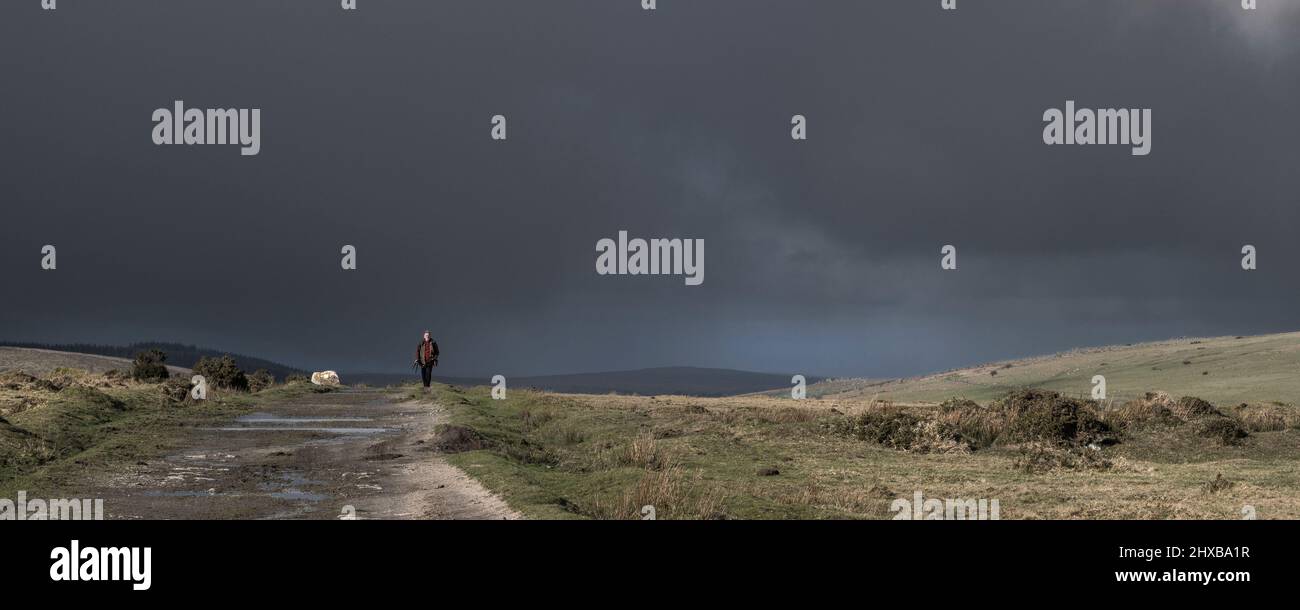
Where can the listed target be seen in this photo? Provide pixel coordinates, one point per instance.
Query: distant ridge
(177, 354)
(684, 380)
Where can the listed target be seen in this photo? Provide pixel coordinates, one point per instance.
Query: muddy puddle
(302, 429)
(288, 486)
(266, 422)
(155, 493)
(267, 418)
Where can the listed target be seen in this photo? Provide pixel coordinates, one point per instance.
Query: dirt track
(314, 457)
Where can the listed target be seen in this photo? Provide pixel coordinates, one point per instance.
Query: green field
(1222, 370)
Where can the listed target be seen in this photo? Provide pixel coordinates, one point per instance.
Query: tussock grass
(1039, 457)
(849, 500)
(670, 492)
(1266, 417)
(1218, 484)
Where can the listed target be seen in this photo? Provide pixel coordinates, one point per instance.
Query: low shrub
(148, 366)
(222, 372)
(899, 429)
(1221, 428)
(1034, 415)
(176, 389)
(261, 379)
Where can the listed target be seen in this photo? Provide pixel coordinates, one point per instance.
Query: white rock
(325, 378)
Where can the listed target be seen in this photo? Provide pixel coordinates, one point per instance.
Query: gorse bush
(1221, 428)
(222, 372)
(980, 426)
(1158, 408)
(1045, 415)
(149, 367)
(898, 429)
(1030, 416)
(260, 380)
(958, 425)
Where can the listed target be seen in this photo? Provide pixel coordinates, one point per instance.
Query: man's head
(427, 336)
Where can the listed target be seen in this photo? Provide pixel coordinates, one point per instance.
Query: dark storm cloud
(821, 256)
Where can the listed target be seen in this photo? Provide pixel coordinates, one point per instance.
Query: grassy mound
(18, 447)
(960, 425)
(1053, 431)
(1268, 417)
(70, 420)
(1224, 429)
(1190, 407)
(67, 423)
(20, 381)
(1159, 409)
(1038, 457)
(458, 439)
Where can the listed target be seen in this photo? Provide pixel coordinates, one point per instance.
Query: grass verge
(56, 432)
(606, 457)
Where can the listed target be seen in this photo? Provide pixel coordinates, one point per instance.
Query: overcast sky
(821, 257)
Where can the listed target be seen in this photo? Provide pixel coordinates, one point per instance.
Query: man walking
(426, 357)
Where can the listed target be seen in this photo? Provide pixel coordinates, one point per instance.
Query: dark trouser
(426, 372)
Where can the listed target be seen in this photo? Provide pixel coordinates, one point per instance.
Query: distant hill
(178, 355)
(41, 362)
(1222, 370)
(685, 380)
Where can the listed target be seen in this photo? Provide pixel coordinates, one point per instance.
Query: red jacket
(427, 353)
